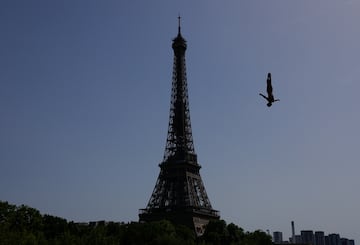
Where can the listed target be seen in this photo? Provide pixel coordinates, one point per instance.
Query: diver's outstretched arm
(264, 96)
(276, 100)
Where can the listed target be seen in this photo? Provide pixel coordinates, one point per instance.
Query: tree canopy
(23, 225)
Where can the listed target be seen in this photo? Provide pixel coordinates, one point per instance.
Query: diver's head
(269, 104)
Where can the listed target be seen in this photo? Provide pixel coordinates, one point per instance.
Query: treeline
(23, 225)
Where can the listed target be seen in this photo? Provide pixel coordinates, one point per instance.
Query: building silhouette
(277, 237)
(319, 238)
(345, 241)
(307, 237)
(179, 194)
(333, 239)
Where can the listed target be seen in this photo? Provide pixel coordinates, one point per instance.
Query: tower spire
(179, 28)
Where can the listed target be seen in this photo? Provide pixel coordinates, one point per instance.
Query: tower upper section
(179, 143)
(179, 43)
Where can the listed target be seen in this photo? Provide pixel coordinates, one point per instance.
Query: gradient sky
(85, 100)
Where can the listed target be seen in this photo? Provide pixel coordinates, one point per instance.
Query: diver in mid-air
(270, 97)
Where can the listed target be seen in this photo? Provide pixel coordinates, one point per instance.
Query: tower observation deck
(179, 194)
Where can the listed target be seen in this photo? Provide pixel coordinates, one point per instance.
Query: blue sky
(85, 99)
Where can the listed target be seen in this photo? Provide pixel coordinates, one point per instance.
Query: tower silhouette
(179, 194)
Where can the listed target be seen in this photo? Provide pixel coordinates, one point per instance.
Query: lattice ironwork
(179, 138)
(179, 185)
(179, 194)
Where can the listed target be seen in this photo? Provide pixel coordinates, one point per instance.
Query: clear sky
(85, 99)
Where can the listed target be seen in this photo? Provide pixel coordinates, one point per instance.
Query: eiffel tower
(179, 194)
